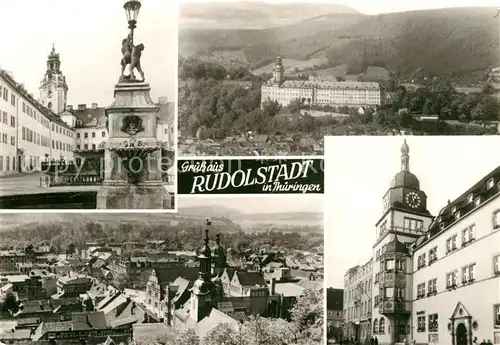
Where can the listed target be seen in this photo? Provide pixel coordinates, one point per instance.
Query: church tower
(405, 218)
(278, 73)
(203, 288)
(219, 264)
(53, 87)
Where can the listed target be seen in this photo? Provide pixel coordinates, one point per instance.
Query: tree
(10, 303)
(271, 108)
(307, 317)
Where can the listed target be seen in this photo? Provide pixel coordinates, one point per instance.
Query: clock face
(413, 199)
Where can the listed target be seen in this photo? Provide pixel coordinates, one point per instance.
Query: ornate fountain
(132, 154)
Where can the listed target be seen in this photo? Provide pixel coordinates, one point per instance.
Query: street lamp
(132, 8)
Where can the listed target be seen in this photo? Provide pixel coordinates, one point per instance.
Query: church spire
(405, 157)
(205, 258)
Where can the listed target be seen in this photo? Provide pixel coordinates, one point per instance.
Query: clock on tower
(412, 199)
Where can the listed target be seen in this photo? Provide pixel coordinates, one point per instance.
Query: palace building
(33, 131)
(427, 272)
(319, 92)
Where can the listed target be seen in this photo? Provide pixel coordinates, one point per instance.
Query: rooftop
(486, 188)
(20, 89)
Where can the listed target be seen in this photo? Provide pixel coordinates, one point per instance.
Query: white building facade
(320, 92)
(436, 280)
(30, 132)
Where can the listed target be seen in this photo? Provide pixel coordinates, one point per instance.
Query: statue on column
(131, 56)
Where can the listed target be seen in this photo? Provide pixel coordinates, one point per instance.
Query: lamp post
(132, 153)
(132, 8)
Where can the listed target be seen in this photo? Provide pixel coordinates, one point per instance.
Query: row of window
(31, 112)
(468, 276)
(5, 119)
(5, 139)
(468, 235)
(390, 265)
(86, 135)
(433, 325)
(432, 288)
(379, 326)
(364, 309)
(4, 93)
(39, 139)
(8, 166)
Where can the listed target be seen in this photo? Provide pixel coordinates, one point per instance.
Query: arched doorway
(461, 334)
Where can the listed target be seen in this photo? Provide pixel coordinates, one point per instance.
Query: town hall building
(433, 279)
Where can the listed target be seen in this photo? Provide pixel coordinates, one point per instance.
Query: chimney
(94, 105)
(162, 100)
(132, 308)
(69, 108)
(82, 106)
(273, 286)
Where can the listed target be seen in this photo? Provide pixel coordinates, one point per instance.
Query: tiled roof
(96, 117)
(168, 275)
(214, 319)
(92, 320)
(45, 111)
(480, 189)
(36, 306)
(251, 278)
(152, 331)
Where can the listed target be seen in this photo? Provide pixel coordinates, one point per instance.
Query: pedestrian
(372, 341)
(483, 342)
(489, 342)
(376, 341)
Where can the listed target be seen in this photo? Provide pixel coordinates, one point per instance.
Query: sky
(257, 203)
(389, 6)
(358, 171)
(87, 35)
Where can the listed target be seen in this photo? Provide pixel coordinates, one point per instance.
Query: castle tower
(278, 74)
(53, 87)
(203, 288)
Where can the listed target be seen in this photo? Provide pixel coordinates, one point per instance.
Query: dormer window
(89, 116)
(441, 225)
(457, 215)
(490, 183)
(94, 122)
(453, 209)
(440, 219)
(477, 201)
(470, 198)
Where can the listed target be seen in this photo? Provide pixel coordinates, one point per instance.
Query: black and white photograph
(88, 104)
(274, 78)
(412, 246)
(223, 270)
